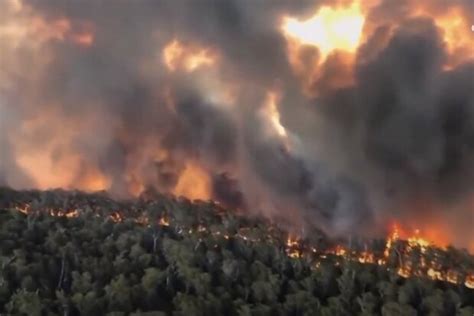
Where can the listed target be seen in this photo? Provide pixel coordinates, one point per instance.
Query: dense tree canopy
(167, 256)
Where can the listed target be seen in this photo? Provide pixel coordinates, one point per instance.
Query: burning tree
(186, 256)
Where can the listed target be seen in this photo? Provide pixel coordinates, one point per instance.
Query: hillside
(71, 253)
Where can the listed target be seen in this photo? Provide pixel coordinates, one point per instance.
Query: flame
(292, 241)
(343, 29)
(188, 57)
(270, 111)
(457, 37)
(414, 238)
(93, 180)
(393, 236)
(164, 221)
(193, 183)
(295, 248)
(329, 29)
(455, 31)
(469, 281)
(74, 213)
(23, 208)
(56, 29)
(321, 50)
(55, 163)
(339, 251)
(417, 241)
(116, 217)
(366, 257)
(423, 227)
(38, 29)
(85, 39)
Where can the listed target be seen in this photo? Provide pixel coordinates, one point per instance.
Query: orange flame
(177, 55)
(271, 116)
(116, 217)
(164, 221)
(329, 29)
(193, 183)
(321, 50)
(294, 248)
(455, 31)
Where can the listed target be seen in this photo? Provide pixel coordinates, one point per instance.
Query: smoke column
(346, 115)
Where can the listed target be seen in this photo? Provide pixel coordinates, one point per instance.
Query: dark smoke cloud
(226, 190)
(413, 120)
(204, 131)
(404, 127)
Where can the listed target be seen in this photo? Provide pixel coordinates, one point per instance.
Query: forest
(72, 253)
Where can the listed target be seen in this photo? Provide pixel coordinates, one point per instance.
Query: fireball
(329, 29)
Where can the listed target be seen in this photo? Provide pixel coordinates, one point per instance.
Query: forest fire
(273, 114)
(286, 157)
(333, 111)
(292, 247)
(410, 252)
(455, 31)
(329, 29)
(188, 57)
(336, 34)
(193, 183)
(164, 221)
(407, 255)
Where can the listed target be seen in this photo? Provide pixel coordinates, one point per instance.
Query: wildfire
(329, 29)
(469, 281)
(193, 183)
(293, 248)
(414, 240)
(297, 248)
(432, 270)
(272, 115)
(41, 30)
(72, 214)
(321, 50)
(23, 208)
(53, 162)
(455, 30)
(417, 241)
(93, 180)
(292, 242)
(339, 251)
(366, 257)
(164, 221)
(394, 235)
(177, 55)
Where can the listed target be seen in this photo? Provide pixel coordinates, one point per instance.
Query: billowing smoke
(227, 100)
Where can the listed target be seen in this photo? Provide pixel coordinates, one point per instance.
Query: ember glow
(341, 114)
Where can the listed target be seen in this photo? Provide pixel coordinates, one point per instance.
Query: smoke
(212, 95)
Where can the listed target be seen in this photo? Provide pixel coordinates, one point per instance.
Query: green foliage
(201, 264)
(23, 302)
